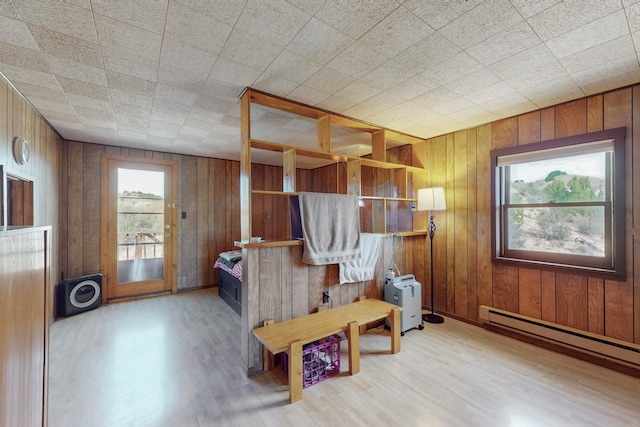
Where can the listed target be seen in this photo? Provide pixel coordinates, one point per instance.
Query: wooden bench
(291, 335)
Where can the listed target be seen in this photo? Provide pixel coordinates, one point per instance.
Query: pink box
(320, 360)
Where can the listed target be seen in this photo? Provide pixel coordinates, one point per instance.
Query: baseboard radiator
(597, 345)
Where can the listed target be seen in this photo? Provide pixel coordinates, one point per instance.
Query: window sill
(562, 268)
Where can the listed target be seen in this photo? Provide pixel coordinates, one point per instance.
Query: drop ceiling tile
(79, 87)
(61, 17)
(134, 85)
(506, 43)
(355, 17)
(292, 66)
(168, 115)
(233, 72)
(607, 75)
(15, 32)
(357, 60)
(475, 116)
(374, 105)
(275, 20)
(521, 63)
(329, 80)
(120, 36)
(528, 8)
(197, 133)
(214, 104)
(124, 121)
(93, 116)
(89, 102)
(430, 51)
(489, 93)
(164, 126)
(127, 63)
(396, 32)
(452, 106)
(452, 69)
(60, 116)
(8, 9)
(319, 42)
(337, 103)
(180, 79)
(553, 92)
(633, 17)
(250, 50)
(412, 87)
(220, 90)
(131, 111)
(34, 91)
(438, 13)
(359, 91)
(204, 32)
(569, 15)
(169, 135)
(473, 82)
(187, 58)
(309, 6)
(510, 105)
(275, 85)
(388, 75)
(126, 97)
(307, 95)
(480, 23)
(226, 11)
(67, 47)
(593, 34)
(77, 71)
(597, 55)
(149, 15)
(18, 75)
(178, 96)
(21, 57)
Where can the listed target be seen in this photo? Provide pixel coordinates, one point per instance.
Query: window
(561, 203)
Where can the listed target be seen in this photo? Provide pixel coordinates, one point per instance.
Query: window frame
(613, 266)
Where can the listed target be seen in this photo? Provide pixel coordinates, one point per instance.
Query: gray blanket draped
(330, 227)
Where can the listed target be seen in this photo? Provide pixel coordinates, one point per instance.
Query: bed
(229, 265)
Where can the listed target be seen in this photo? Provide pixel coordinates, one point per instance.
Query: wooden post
(295, 371)
(394, 323)
(267, 356)
(353, 335)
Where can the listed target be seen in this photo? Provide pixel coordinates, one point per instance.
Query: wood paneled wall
(19, 119)
(207, 194)
(464, 274)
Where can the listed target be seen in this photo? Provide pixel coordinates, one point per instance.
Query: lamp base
(432, 318)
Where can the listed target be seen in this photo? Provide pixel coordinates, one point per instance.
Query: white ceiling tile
(432, 50)
(125, 121)
(149, 15)
(487, 19)
(355, 17)
(94, 116)
(21, 57)
(594, 57)
(126, 97)
(438, 13)
(179, 96)
(633, 17)
(77, 71)
(169, 113)
(607, 75)
(275, 20)
(568, 15)
(528, 8)
(64, 46)
(452, 69)
(215, 104)
(593, 34)
(250, 50)
(224, 92)
(62, 17)
(374, 105)
(309, 6)
(79, 87)
(319, 42)
(274, 84)
(131, 111)
(237, 74)
(329, 80)
(226, 11)
(553, 92)
(19, 75)
(51, 94)
(180, 79)
(16, 32)
(412, 87)
(126, 83)
(307, 95)
(187, 58)
(522, 62)
(506, 43)
(388, 75)
(488, 93)
(396, 32)
(452, 106)
(127, 63)
(204, 32)
(292, 66)
(120, 36)
(8, 9)
(357, 60)
(473, 82)
(509, 105)
(204, 115)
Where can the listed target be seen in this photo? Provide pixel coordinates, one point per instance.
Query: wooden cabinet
(24, 316)
(387, 190)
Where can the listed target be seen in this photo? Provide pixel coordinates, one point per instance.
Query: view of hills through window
(558, 205)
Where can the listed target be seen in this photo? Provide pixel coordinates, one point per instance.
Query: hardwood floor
(174, 361)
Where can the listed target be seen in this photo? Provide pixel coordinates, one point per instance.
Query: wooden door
(139, 227)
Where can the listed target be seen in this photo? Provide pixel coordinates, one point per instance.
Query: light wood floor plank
(175, 361)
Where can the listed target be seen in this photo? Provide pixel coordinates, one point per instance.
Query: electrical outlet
(325, 297)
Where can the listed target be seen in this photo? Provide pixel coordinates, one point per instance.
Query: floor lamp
(431, 199)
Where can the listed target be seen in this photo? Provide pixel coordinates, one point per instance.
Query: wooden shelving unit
(400, 199)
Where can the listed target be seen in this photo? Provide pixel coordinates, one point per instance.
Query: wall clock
(21, 150)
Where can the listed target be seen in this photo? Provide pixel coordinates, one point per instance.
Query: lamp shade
(431, 199)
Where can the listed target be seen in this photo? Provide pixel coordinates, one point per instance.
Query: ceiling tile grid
(166, 74)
